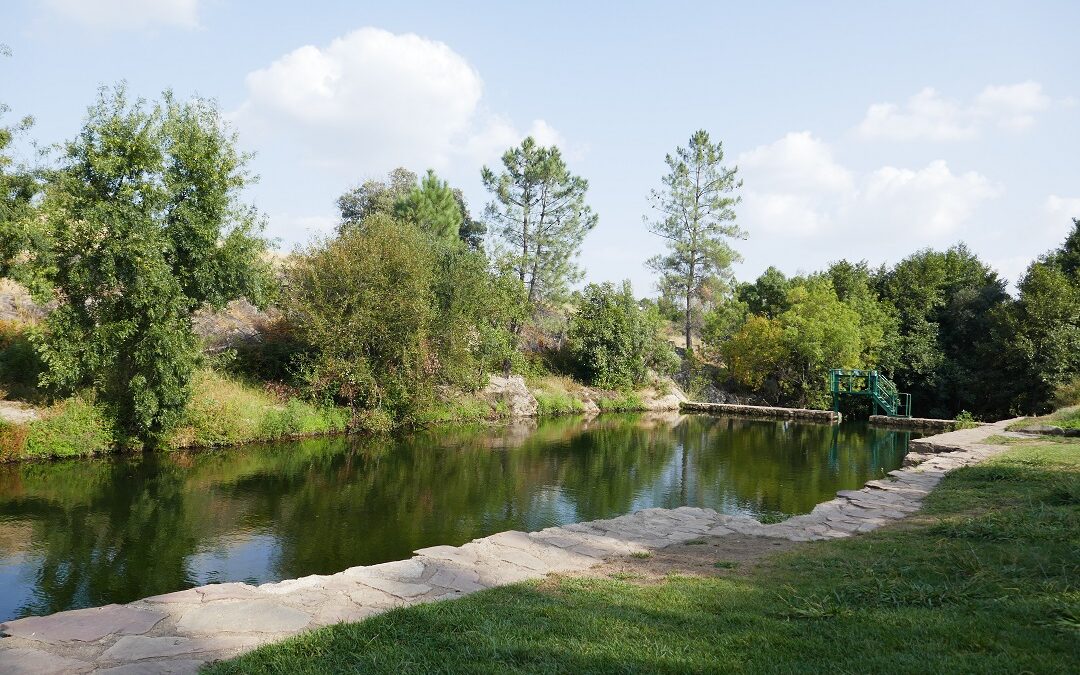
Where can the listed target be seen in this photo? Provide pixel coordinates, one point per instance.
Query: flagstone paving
(179, 632)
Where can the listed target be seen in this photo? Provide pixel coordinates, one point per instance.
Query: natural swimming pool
(87, 533)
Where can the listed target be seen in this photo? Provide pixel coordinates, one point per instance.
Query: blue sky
(862, 130)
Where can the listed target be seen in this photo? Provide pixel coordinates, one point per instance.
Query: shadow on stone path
(179, 632)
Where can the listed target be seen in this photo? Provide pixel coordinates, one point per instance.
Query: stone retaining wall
(916, 423)
(179, 632)
(761, 411)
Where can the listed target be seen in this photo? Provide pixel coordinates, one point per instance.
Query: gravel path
(178, 632)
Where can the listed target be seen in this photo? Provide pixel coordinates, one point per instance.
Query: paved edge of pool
(179, 632)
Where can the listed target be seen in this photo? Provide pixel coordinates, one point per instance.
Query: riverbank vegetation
(982, 580)
(136, 227)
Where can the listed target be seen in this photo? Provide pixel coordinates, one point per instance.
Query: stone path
(178, 632)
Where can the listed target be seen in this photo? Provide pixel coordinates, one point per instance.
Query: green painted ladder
(882, 392)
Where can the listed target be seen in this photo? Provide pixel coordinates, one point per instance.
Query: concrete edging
(761, 411)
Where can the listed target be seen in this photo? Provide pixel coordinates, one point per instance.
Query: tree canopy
(539, 212)
(148, 226)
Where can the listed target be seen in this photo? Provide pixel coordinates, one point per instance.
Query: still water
(86, 533)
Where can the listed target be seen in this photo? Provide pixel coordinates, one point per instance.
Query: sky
(860, 130)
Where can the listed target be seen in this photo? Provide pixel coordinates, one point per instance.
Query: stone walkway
(178, 632)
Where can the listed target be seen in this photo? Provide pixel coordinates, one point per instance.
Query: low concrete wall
(765, 412)
(919, 423)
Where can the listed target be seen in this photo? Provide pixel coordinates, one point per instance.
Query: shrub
(612, 341)
(965, 420)
(12, 441)
(389, 314)
(1067, 394)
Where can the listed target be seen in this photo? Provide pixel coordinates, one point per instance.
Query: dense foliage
(391, 311)
(146, 227)
(938, 322)
(613, 341)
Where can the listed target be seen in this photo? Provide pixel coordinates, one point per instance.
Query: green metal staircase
(883, 394)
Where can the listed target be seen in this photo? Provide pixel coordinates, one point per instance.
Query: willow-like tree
(148, 227)
(539, 211)
(694, 214)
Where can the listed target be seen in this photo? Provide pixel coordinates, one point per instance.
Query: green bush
(389, 314)
(965, 420)
(75, 427)
(612, 341)
(1067, 394)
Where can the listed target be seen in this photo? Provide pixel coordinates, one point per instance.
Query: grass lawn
(986, 579)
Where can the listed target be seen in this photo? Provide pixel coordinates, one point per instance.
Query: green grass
(623, 402)
(75, 427)
(225, 411)
(1066, 418)
(464, 411)
(553, 404)
(983, 580)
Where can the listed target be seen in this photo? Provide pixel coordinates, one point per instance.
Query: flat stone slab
(29, 661)
(222, 620)
(139, 647)
(84, 625)
(242, 616)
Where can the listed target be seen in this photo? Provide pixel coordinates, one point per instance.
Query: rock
(139, 647)
(172, 667)
(27, 661)
(242, 616)
(84, 625)
(512, 392)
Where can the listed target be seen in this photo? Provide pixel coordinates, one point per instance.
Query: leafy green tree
(24, 242)
(148, 227)
(1067, 257)
(389, 312)
(539, 211)
(364, 302)
(1046, 334)
(767, 296)
(695, 217)
(433, 207)
(373, 197)
(612, 340)
(945, 303)
(793, 353)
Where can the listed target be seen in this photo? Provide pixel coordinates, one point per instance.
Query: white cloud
(794, 187)
(1061, 210)
(371, 100)
(1012, 106)
(929, 116)
(931, 202)
(791, 185)
(128, 13)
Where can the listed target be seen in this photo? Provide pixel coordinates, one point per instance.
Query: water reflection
(78, 534)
